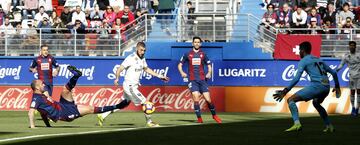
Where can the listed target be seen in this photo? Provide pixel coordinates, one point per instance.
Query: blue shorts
(198, 86)
(69, 110)
(313, 91)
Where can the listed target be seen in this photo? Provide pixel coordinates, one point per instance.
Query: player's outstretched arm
(31, 117)
(336, 79)
(297, 77)
(341, 65)
(117, 75)
(160, 76)
(182, 73)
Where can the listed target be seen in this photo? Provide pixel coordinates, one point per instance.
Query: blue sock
(197, 109)
(211, 108)
(322, 112)
(294, 111)
(72, 82)
(104, 109)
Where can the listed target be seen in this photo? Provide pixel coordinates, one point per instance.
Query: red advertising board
(169, 98)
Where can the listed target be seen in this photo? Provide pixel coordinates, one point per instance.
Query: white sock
(105, 114)
(148, 118)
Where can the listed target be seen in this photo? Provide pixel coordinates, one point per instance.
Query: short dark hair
(189, 3)
(44, 45)
(267, 7)
(346, 4)
(352, 42)
(306, 46)
(196, 37)
(141, 44)
(33, 85)
(42, 7)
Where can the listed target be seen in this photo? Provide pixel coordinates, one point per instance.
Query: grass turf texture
(180, 128)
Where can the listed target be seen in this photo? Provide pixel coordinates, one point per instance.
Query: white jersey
(353, 62)
(134, 67)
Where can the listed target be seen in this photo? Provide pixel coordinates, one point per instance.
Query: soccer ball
(148, 107)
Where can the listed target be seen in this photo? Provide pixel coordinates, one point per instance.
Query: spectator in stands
(155, 6)
(7, 30)
(131, 4)
(2, 15)
(299, 19)
(342, 15)
(118, 5)
(45, 27)
(30, 6)
(126, 16)
(143, 5)
(53, 17)
(117, 28)
(47, 4)
(79, 15)
(78, 28)
(269, 17)
(5, 4)
(19, 33)
(40, 15)
(279, 4)
(348, 26)
(14, 5)
(66, 16)
(282, 26)
(285, 16)
(109, 15)
(88, 5)
(315, 28)
(316, 16)
(331, 14)
(328, 25)
(96, 17)
(58, 26)
(103, 4)
(307, 5)
(190, 20)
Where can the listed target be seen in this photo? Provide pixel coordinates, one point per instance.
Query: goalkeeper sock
(104, 109)
(211, 108)
(294, 112)
(352, 100)
(197, 109)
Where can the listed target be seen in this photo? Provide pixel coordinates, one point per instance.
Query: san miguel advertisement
(236, 86)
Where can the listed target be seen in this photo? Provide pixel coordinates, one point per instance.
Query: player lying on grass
(65, 109)
(317, 91)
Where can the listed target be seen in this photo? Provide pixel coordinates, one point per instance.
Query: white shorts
(132, 93)
(354, 83)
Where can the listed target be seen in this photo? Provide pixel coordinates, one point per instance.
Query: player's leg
(352, 101)
(358, 100)
(66, 93)
(294, 112)
(205, 91)
(195, 91)
(323, 114)
(101, 117)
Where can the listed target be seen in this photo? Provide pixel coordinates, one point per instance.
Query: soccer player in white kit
(134, 64)
(352, 59)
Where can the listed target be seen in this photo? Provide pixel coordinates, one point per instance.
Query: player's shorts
(69, 110)
(198, 86)
(313, 91)
(354, 83)
(132, 93)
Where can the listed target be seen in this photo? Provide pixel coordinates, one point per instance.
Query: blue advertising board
(226, 73)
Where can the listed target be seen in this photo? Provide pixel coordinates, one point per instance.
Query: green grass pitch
(128, 128)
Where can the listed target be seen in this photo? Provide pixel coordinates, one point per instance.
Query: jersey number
(320, 66)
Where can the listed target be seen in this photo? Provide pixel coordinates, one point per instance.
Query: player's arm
(31, 117)
(160, 76)
(45, 119)
(57, 67)
(341, 65)
(208, 62)
(336, 79)
(33, 65)
(180, 66)
(280, 94)
(117, 75)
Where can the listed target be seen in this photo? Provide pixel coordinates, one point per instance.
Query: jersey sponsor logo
(196, 61)
(10, 72)
(45, 66)
(242, 72)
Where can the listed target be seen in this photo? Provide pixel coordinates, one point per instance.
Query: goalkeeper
(317, 91)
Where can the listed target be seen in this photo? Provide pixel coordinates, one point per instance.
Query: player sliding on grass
(65, 109)
(196, 60)
(134, 65)
(318, 89)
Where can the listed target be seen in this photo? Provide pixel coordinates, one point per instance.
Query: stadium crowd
(322, 16)
(80, 16)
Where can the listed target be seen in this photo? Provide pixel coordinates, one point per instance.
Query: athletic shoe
(357, 112)
(295, 127)
(329, 128)
(74, 71)
(217, 119)
(100, 120)
(152, 124)
(353, 112)
(199, 120)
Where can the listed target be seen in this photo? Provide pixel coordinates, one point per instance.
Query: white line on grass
(84, 132)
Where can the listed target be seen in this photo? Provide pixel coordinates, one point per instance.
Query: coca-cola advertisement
(165, 98)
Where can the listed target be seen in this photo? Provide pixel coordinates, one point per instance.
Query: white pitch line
(85, 132)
